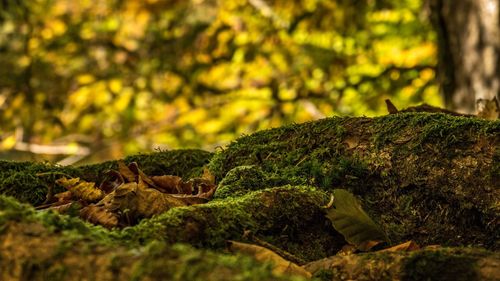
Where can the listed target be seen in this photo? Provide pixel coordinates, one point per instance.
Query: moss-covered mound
(430, 178)
(46, 246)
(460, 264)
(433, 178)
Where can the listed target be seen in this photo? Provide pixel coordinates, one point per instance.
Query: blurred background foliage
(84, 81)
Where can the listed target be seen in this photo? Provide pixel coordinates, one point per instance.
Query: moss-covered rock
(47, 246)
(464, 264)
(290, 217)
(430, 177)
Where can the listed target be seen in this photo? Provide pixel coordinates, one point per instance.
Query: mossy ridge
(29, 182)
(290, 217)
(293, 151)
(66, 246)
(450, 130)
(183, 262)
(459, 264)
(12, 210)
(396, 163)
(424, 264)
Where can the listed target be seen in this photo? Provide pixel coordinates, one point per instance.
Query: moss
(182, 262)
(400, 165)
(29, 182)
(449, 130)
(12, 210)
(244, 179)
(445, 264)
(290, 217)
(309, 153)
(51, 253)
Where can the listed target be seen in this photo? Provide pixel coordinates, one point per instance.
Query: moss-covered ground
(431, 178)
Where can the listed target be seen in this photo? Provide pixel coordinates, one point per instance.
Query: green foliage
(200, 73)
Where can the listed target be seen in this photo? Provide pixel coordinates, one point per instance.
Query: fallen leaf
(99, 215)
(71, 208)
(170, 184)
(140, 174)
(406, 246)
(127, 174)
(112, 181)
(391, 108)
(81, 189)
(352, 222)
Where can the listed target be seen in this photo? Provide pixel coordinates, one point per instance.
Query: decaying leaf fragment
(352, 222)
(125, 171)
(81, 189)
(113, 180)
(281, 265)
(99, 215)
(171, 184)
(406, 246)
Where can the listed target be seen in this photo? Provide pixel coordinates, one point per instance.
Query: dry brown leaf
(124, 198)
(66, 208)
(67, 183)
(64, 196)
(99, 215)
(112, 181)
(169, 184)
(391, 108)
(152, 202)
(202, 188)
(139, 201)
(352, 142)
(406, 247)
(81, 189)
(140, 174)
(127, 174)
(281, 265)
(366, 246)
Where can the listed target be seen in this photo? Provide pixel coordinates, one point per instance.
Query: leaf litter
(129, 195)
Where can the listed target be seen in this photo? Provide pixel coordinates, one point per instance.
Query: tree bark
(469, 51)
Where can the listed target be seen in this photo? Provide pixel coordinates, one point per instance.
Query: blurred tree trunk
(469, 50)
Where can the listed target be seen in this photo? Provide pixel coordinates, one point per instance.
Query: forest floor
(410, 196)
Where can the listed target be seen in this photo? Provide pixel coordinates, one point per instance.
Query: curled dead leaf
(406, 247)
(170, 184)
(99, 215)
(125, 171)
(112, 181)
(81, 189)
(140, 174)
